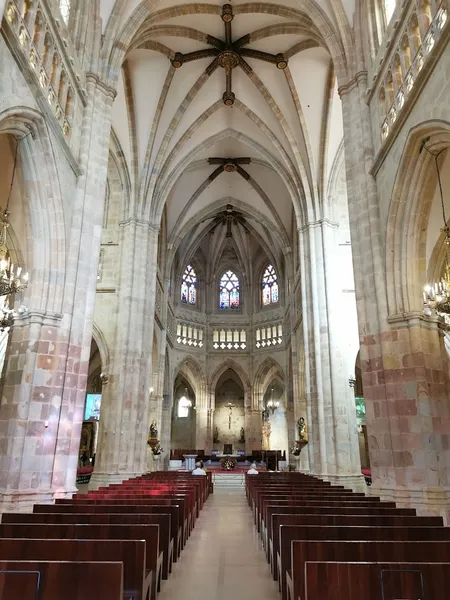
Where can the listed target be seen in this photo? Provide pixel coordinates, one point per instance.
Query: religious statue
(242, 438)
(216, 435)
(302, 430)
(153, 430)
(266, 431)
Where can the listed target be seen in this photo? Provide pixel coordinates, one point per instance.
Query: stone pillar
(125, 408)
(201, 428)
(404, 375)
(166, 427)
(43, 396)
(298, 388)
(253, 430)
(331, 415)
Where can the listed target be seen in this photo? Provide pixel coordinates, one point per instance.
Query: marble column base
(427, 501)
(301, 465)
(24, 500)
(104, 479)
(356, 482)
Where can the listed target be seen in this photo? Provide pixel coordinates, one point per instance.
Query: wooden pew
(173, 511)
(342, 520)
(303, 551)
(289, 533)
(187, 501)
(148, 533)
(376, 581)
(318, 503)
(43, 580)
(136, 584)
(162, 520)
(182, 514)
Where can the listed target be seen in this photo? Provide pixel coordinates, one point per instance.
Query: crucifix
(230, 406)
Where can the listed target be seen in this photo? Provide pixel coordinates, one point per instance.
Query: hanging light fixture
(12, 279)
(273, 404)
(436, 296)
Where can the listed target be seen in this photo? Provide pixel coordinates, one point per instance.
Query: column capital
(319, 224)
(140, 223)
(107, 90)
(360, 77)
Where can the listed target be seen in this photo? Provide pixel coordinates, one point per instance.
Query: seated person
(198, 469)
(252, 470)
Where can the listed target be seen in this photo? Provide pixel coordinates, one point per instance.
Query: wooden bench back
(379, 581)
(20, 580)
(360, 551)
(148, 533)
(130, 553)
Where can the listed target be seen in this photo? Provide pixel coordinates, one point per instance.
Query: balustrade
(190, 335)
(424, 25)
(33, 25)
(229, 339)
(269, 336)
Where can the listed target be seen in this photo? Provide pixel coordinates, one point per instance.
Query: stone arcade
(197, 257)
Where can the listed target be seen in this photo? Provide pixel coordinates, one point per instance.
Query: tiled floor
(223, 559)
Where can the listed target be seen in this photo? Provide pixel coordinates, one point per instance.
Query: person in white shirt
(252, 470)
(198, 469)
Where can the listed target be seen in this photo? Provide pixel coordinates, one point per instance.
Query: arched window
(64, 7)
(269, 286)
(184, 404)
(189, 286)
(229, 291)
(389, 7)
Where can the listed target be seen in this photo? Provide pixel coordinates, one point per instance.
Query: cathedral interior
(217, 221)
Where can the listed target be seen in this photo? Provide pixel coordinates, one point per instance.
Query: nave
(224, 557)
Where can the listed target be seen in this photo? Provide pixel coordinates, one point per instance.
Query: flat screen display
(93, 405)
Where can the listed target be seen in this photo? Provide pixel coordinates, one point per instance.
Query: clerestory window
(229, 291)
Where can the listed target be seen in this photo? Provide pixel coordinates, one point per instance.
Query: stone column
(125, 416)
(201, 428)
(166, 426)
(47, 361)
(298, 387)
(253, 430)
(404, 375)
(331, 415)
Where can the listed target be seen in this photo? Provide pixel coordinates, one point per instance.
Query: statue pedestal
(190, 461)
(300, 444)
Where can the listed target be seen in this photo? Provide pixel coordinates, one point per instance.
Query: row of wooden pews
(326, 542)
(118, 542)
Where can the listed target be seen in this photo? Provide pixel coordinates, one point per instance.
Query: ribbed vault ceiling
(169, 121)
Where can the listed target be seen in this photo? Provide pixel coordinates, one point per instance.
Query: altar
(235, 456)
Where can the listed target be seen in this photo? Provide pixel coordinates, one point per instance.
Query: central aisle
(223, 559)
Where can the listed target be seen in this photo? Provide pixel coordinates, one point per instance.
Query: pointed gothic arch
(411, 200)
(234, 366)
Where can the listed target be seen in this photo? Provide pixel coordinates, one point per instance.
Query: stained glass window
(189, 286)
(64, 7)
(269, 286)
(389, 7)
(229, 291)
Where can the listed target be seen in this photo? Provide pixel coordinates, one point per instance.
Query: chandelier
(273, 404)
(436, 295)
(12, 279)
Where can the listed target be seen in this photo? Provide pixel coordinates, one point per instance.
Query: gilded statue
(302, 430)
(266, 431)
(153, 430)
